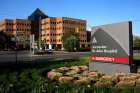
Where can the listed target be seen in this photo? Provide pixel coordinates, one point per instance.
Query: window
(59, 40)
(83, 45)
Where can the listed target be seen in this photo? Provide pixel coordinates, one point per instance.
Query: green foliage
(3, 40)
(136, 43)
(70, 43)
(68, 34)
(22, 82)
(84, 49)
(70, 40)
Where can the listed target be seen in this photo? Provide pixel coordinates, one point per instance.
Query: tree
(3, 40)
(70, 43)
(136, 44)
(6, 42)
(70, 40)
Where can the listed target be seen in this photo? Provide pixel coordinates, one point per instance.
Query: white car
(49, 51)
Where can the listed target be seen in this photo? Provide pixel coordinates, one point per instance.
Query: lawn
(32, 78)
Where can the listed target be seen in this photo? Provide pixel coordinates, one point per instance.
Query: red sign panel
(124, 60)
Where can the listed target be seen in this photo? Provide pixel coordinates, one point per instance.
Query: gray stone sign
(111, 48)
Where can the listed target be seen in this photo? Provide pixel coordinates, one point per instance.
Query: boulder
(83, 68)
(63, 69)
(83, 80)
(105, 84)
(110, 78)
(124, 84)
(138, 82)
(128, 78)
(66, 79)
(54, 75)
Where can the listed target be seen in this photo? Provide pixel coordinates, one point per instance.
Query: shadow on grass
(43, 65)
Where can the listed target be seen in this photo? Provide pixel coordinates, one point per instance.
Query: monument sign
(111, 47)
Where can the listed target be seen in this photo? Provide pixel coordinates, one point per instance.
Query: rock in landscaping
(83, 68)
(138, 82)
(81, 75)
(112, 78)
(123, 84)
(76, 69)
(54, 75)
(66, 79)
(105, 84)
(63, 69)
(83, 80)
(71, 73)
(128, 78)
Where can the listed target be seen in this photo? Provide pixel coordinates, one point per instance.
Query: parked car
(49, 51)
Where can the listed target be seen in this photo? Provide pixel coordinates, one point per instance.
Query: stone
(54, 75)
(123, 84)
(66, 79)
(105, 84)
(83, 80)
(138, 82)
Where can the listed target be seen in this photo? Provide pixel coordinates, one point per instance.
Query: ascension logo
(94, 40)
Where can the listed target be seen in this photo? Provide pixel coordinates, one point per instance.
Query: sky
(96, 12)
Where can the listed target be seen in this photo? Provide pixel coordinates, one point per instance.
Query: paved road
(6, 56)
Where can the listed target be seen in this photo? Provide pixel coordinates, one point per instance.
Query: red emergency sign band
(110, 59)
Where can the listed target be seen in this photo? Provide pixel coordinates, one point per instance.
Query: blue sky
(96, 12)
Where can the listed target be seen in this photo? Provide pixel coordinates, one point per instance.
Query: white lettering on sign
(103, 49)
(110, 59)
(99, 46)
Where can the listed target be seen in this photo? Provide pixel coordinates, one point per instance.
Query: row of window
(64, 28)
(73, 23)
(74, 29)
(59, 22)
(52, 28)
(8, 24)
(83, 41)
(52, 40)
(83, 35)
(52, 34)
(18, 30)
(64, 22)
(59, 34)
(21, 24)
(58, 40)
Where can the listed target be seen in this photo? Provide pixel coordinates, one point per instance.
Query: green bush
(84, 49)
(70, 44)
(22, 82)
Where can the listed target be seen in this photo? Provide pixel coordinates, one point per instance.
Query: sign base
(109, 68)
